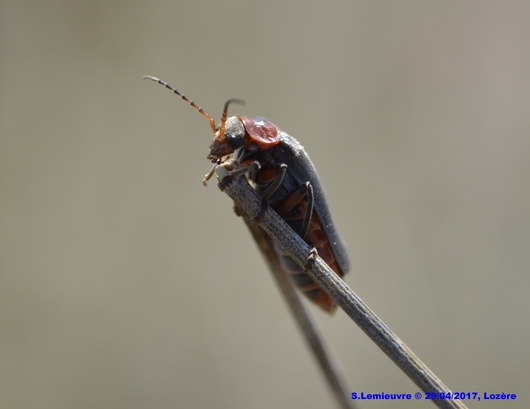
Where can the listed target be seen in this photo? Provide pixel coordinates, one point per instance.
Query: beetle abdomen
(287, 179)
(316, 237)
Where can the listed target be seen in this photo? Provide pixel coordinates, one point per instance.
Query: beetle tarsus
(208, 176)
(227, 180)
(261, 212)
(311, 259)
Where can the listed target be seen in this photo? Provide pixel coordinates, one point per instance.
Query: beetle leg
(274, 175)
(254, 166)
(293, 199)
(309, 210)
(261, 212)
(209, 175)
(310, 260)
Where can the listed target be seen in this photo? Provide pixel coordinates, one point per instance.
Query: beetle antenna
(223, 117)
(189, 101)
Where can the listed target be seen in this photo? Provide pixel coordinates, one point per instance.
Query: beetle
(286, 179)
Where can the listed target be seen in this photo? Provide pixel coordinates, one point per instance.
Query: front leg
(232, 174)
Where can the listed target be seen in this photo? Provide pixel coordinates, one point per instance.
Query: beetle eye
(234, 141)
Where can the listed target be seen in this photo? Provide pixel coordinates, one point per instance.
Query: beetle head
(234, 137)
(229, 136)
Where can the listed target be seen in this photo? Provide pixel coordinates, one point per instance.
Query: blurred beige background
(124, 283)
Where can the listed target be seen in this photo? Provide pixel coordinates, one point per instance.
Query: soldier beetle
(286, 179)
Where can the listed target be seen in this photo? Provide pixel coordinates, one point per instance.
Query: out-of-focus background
(124, 283)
